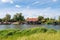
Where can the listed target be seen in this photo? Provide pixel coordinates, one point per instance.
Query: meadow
(30, 34)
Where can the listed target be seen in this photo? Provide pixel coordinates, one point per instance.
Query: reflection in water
(21, 27)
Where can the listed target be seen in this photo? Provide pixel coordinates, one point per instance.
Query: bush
(43, 30)
(26, 32)
(52, 31)
(32, 31)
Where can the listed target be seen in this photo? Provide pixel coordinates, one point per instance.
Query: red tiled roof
(32, 19)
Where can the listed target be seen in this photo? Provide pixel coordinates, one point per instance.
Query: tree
(51, 21)
(18, 17)
(46, 19)
(59, 18)
(0, 20)
(40, 18)
(7, 18)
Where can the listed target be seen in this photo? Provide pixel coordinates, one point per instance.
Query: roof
(32, 19)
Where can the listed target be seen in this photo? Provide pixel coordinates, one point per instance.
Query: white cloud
(11, 2)
(41, 2)
(17, 6)
(54, 0)
(7, 1)
(47, 12)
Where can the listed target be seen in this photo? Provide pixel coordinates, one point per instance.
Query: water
(2, 27)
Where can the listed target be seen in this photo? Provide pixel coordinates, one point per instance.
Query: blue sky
(30, 8)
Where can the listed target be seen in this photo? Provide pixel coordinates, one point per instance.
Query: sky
(30, 8)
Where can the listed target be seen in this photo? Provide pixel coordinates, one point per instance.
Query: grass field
(30, 34)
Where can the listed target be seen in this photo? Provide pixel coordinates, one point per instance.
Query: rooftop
(32, 19)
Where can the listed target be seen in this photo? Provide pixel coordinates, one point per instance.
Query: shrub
(32, 31)
(43, 30)
(52, 31)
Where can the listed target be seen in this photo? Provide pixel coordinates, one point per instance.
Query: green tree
(46, 19)
(7, 18)
(0, 20)
(59, 18)
(50, 21)
(18, 17)
(40, 18)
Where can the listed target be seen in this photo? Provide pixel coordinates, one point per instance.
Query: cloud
(27, 12)
(46, 12)
(11, 2)
(41, 2)
(17, 6)
(54, 0)
(7, 1)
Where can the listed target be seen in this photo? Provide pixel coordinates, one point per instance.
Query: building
(32, 20)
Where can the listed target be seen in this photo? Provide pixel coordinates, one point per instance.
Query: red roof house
(32, 19)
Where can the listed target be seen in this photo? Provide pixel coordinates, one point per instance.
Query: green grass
(30, 34)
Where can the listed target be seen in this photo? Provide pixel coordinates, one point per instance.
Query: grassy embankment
(30, 34)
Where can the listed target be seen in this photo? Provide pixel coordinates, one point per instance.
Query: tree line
(18, 17)
(49, 20)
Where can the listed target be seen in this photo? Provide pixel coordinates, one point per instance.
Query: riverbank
(30, 34)
(28, 23)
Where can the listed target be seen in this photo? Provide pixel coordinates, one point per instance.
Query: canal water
(21, 27)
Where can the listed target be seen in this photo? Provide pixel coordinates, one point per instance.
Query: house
(32, 20)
